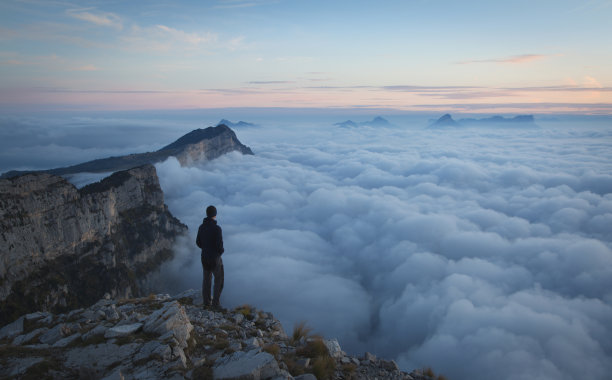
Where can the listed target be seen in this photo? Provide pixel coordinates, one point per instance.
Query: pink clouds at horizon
(562, 99)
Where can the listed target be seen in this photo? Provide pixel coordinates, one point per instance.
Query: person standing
(210, 240)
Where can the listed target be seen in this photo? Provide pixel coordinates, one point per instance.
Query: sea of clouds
(485, 254)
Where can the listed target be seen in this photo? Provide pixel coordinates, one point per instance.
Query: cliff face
(61, 247)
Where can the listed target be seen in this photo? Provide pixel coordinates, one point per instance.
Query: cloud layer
(483, 253)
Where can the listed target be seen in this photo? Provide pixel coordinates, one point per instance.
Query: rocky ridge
(175, 338)
(197, 145)
(62, 247)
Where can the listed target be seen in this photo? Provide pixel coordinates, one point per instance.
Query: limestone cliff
(62, 247)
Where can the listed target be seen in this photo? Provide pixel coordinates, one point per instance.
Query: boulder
(171, 317)
(252, 365)
(122, 330)
(334, 348)
(12, 329)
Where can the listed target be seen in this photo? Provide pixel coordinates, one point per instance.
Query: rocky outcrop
(197, 145)
(61, 247)
(163, 337)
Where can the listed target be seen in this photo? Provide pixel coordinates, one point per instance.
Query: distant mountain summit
(444, 122)
(520, 121)
(240, 124)
(376, 122)
(197, 145)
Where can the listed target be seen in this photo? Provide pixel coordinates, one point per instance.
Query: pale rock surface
(164, 337)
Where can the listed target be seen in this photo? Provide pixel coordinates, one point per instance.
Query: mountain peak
(199, 144)
(444, 121)
(198, 135)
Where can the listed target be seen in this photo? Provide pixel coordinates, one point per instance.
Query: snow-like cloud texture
(485, 254)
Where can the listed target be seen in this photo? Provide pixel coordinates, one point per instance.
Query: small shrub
(300, 331)
(442, 377)
(348, 369)
(429, 372)
(204, 372)
(273, 349)
(186, 301)
(323, 367)
(247, 311)
(221, 344)
(293, 367)
(313, 349)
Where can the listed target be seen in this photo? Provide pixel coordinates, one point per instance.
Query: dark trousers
(217, 272)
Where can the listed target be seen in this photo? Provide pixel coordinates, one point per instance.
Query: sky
(524, 56)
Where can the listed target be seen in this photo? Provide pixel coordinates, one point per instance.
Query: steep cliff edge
(197, 145)
(61, 247)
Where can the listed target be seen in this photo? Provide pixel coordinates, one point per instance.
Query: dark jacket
(210, 240)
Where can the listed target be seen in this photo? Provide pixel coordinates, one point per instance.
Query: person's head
(211, 212)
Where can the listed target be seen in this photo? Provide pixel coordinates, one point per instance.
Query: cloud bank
(483, 253)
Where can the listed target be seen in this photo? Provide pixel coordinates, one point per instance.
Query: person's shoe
(217, 307)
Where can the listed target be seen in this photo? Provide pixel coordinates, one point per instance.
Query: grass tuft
(300, 330)
(323, 367)
(273, 349)
(313, 348)
(247, 311)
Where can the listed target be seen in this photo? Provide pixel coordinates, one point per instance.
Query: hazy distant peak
(447, 120)
(516, 121)
(444, 121)
(236, 125)
(378, 121)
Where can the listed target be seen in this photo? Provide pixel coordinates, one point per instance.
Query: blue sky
(544, 56)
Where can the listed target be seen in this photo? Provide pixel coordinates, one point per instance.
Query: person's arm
(198, 241)
(220, 248)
